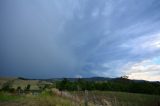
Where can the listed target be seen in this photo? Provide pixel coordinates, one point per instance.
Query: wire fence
(91, 98)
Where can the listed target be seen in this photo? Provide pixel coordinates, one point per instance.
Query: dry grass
(43, 99)
(6, 79)
(15, 82)
(24, 83)
(121, 98)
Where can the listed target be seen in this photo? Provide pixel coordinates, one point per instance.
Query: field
(43, 99)
(50, 96)
(103, 98)
(95, 98)
(15, 82)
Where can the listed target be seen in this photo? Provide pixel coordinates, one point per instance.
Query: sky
(80, 38)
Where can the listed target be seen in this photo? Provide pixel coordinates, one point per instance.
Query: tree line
(119, 84)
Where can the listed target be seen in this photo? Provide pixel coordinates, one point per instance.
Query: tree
(124, 77)
(65, 84)
(19, 89)
(28, 87)
(6, 86)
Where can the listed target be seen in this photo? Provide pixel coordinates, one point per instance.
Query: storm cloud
(69, 38)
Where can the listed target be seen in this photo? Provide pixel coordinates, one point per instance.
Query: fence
(91, 98)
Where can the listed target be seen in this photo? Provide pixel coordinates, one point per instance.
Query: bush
(119, 84)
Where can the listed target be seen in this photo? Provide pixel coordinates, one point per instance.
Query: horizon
(76, 38)
(74, 78)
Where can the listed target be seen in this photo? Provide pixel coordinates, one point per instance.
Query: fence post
(115, 101)
(94, 99)
(86, 98)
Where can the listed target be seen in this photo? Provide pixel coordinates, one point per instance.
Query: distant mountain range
(88, 79)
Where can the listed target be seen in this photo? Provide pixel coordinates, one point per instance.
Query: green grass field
(131, 99)
(120, 98)
(95, 98)
(43, 99)
(4, 96)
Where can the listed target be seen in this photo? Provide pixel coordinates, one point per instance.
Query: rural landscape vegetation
(95, 91)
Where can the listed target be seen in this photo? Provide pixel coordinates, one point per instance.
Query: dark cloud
(69, 38)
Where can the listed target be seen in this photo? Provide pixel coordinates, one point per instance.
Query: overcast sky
(80, 38)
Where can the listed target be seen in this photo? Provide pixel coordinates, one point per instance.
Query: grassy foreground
(131, 99)
(43, 99)
(96, 98)
(120, 98)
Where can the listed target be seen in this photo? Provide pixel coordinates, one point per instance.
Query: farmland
(43, 99)
(102, 98)
(46, 93)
